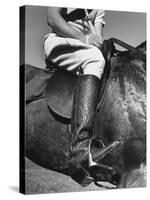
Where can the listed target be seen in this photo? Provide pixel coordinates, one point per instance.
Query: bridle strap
(135, 51)
(124, 45)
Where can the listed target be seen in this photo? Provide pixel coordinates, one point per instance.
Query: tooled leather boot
(84, 106)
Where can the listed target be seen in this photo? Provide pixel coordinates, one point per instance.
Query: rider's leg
(84, 107)
(70, 56)
(85, 99)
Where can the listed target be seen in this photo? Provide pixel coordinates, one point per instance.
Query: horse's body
(122, 117)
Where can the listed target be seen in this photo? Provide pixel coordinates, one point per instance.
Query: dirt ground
(40, 180)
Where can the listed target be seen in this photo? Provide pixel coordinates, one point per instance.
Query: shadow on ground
(14, 188)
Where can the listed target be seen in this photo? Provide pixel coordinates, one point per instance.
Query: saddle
(61, 86)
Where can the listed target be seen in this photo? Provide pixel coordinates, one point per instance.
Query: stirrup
(98, 170)
(104, 150)
(99, 144)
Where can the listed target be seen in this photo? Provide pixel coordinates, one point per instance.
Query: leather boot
(84, 107)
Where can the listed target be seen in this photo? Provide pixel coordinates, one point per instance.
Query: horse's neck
(126, 87)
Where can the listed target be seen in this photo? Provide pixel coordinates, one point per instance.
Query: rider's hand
(95, 40)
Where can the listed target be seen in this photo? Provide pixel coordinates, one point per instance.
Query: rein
(136, 53)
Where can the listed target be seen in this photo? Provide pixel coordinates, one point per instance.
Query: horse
(121, 117)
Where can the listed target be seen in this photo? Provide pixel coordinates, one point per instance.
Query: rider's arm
(99, 30)
(97, 19)
(99, 23)
(60, 26)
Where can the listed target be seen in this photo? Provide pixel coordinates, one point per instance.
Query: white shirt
(97, 16)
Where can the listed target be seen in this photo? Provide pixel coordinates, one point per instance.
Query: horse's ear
(142, 47)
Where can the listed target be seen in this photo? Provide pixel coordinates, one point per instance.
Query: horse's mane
(133, 64)
(142, 46)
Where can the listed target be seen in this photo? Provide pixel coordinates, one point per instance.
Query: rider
(75, 45)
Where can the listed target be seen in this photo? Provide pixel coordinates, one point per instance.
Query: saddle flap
(60, 91)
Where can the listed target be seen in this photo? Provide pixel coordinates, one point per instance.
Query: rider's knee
(95, 63)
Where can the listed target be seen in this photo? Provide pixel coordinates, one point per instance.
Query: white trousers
(70, 54)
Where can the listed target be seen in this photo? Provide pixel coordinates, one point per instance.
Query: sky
(130, 27)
